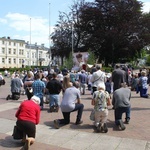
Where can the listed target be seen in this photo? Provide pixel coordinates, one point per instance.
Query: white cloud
(24, 24)
(4, 21)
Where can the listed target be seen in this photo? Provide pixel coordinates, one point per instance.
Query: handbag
(92, 115)
(17, 133)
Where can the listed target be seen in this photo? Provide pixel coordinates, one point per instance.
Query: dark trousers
(15, 95)
(143, 92)
(66, 115)
(119, 111)
(94, 89)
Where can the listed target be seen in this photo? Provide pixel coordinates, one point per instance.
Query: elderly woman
(143, 83)
(101, 101)
(28, 116)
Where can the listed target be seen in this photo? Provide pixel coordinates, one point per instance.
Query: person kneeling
(101, 101)
(28, 116)
(121, 103)
(71, 102)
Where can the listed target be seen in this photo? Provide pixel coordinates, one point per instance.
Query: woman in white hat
(101, 100)
(28, 116)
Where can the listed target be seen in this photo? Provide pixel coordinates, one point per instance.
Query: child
(101, 101)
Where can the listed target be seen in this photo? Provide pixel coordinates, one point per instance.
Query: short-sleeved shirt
(101, 98)
(38, 87)
(70, 97)
(54, 86)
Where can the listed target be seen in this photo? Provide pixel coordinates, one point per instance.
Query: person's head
(17, 75)
(76, 84)
(101, 86)
(66, 82)
(29, 74)
(143, 73)
(124, 84)
(98, 67)
(36, 99)
(54, 75)
(82, 71)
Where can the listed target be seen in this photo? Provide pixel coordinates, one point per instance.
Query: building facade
(18, 53)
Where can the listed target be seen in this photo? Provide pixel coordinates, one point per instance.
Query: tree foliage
(112, 29)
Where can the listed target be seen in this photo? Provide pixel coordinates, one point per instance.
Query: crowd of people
(106, 89)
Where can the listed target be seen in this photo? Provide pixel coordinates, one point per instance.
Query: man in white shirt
(97, 78)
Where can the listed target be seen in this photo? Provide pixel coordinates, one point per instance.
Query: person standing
(28, 116)
(54, 87)
(118, 77)
(143, 84)
(83, 81)
(71, 102)
(39, 88)
(97, 78)
(121, 103)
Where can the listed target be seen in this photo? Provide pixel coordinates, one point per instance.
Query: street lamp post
(72, 39)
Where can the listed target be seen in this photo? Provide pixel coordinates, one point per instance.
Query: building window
(22, 52)
(20, 61)
(14, 51)
(40, 54)
(14, 60)
(28, 55)
(19, 51)
(3, 42)
(3, 60)
(32, 55)
(14, 44)
(9, 43)
(3, 50)
(9, 60)
(21, 44)
(9, 51)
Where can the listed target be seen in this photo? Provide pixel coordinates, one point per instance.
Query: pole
(72, 40)
(49, 38)
(30, 42)
(30, 32)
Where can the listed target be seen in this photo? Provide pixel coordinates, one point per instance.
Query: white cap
(36, 99)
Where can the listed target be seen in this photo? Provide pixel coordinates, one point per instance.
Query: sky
(33, 20)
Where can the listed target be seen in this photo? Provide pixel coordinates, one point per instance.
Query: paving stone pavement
(78, 137)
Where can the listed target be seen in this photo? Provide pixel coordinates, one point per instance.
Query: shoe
(79, 122)
(51, 109)
(99, 128)
(26, 145)
(7, 98)
(127, 120)
(105, 129)
(56, 108)
(122, 126)
(56, 124)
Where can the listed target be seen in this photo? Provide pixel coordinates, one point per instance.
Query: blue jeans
(54, 100)
(66, 115)
(119, 111)
(143, 92)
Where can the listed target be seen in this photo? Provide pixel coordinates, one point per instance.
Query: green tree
(69, 62)
(91, 58)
